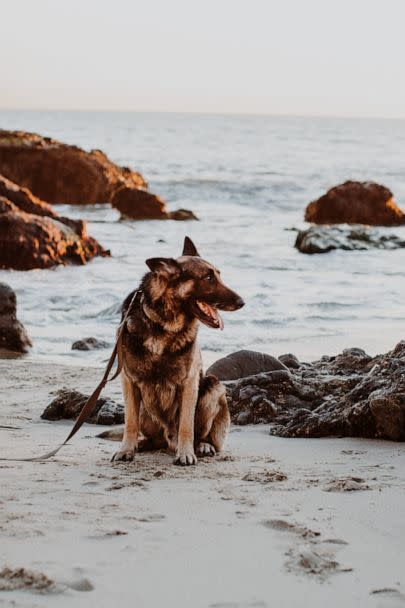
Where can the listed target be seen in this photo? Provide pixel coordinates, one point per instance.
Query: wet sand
(270, 522)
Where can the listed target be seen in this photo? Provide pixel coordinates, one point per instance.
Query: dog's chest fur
(151, 354)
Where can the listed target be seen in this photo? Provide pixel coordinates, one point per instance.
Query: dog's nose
(239, 303)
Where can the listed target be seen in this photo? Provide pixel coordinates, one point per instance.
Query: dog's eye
(209, 276)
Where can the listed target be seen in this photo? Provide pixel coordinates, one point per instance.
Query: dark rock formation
(59, 173)
(321, 239)
(33, 235)
(68, 404)
(351, 394)
(138, 204)
(356, 203)
(89, 344)
(13, 336)
(244, 363)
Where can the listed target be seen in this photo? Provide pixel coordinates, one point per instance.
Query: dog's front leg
(185, 442)
(132, 399)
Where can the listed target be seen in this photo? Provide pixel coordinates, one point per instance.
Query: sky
(291, 57)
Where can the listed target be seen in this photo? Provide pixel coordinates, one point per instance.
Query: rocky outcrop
(244, 363)
(33, 235)
(356, 203)
(13, 336)
(89, 344)
(68, 404)
(351, 394)
(59, 173)
(321, 239)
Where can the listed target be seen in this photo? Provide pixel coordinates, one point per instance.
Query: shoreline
(268, 518)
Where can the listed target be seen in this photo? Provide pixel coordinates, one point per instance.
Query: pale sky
(301, 57)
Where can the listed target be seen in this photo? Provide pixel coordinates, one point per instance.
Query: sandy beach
(306, 521)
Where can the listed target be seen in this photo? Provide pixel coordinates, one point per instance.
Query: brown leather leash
(90, 404)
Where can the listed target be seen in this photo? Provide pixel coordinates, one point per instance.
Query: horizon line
(205, 113)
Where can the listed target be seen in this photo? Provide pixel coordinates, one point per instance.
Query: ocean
(248, 179)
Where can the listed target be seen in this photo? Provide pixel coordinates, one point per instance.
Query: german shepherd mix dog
(169, 403)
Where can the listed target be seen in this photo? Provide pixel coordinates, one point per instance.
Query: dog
(169, 403)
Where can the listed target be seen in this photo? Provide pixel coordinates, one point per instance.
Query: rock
(244, 363)
(181, 215)
(139, 204)
(13, 336)
(59, 173)
(24, 199)
(89, 344)
(317, 239)
(68, 404)
(356, 203)
(289, 360)
(351, 395)
(33, 235)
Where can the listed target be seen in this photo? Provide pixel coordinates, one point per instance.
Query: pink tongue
(215, 314)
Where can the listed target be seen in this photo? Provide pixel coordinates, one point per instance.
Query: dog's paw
(123, 455)
(185, 458)
(206, 449)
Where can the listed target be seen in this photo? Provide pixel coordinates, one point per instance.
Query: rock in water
(68, 404)
(13, 336)
(59, 173)
(33, 235)
(321, 239)
(352, 395)
(138, 204)
(356, 203)
(89, 344)
(244, 363)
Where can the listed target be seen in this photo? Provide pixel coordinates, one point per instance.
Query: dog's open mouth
(209, 315)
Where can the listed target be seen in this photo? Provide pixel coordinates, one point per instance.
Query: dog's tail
(113, 434)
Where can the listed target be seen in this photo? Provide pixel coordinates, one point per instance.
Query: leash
(90, 404)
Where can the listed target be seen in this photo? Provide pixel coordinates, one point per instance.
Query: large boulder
(352, 395)
(13, 336)
(321, 239)
(33, 235)
(244, 363)
(356, 203)
(59, 173)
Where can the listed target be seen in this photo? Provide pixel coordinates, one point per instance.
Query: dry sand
(271, 522)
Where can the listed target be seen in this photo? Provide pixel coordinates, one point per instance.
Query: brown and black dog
(169, 403)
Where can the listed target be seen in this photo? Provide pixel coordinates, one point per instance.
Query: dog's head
(194, 285)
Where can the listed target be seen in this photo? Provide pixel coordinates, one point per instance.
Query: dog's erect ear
(167, 266)
(189, 248)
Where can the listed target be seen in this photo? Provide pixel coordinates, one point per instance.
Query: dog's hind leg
(212, 417)
(132, 400)
(220, 425)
